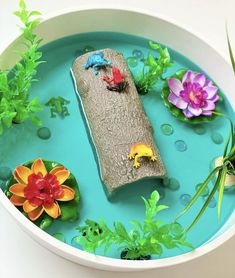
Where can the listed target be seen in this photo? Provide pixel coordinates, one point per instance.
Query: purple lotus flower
(195, 95)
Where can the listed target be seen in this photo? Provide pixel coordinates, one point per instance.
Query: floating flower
(39, 191)
(194, 95)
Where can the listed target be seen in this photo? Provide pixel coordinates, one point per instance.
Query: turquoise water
(186, 151)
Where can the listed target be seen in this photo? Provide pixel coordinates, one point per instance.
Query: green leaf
(157, 249)
(230, 51)
(186, 244)
(46, 222)
(36, 120)
(199, 191)
(35, 105)
(137, 224)
(151, 61)
(33, 13)
(227, 143)
(165, 229)
(4, 88)
(221, 189)
(160, 208)
(22, 4)
(154, 198)
(7, 118)
(154, 45)
(211, 195)
(121, 230)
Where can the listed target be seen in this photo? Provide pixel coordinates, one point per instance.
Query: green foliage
(153, 69)
(219, 174)
(178, 112)
(147, 238)
(15, 103)
(230, 51)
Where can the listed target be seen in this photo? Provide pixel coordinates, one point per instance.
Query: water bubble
(199, 129)
(217, 138)
(59, 236)
(185, 199)
(212, 163)
(74, 243)
(137, 54)
(212, 203)
(205, 192)
(180, 145)
(44, 133)
(5, 173)
(167, 129)
(166, 181)
(173, 184)
(132, 62)
(88, 48)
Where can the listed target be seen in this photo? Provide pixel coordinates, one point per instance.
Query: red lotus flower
(38, 191)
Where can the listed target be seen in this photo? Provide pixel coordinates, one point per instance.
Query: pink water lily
(194, 95)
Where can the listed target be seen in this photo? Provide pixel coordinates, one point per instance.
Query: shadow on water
(16, 135)
(127, 194)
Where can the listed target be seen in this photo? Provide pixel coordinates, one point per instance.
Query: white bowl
(153, 27)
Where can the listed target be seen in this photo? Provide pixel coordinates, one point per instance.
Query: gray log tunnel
(116, 122)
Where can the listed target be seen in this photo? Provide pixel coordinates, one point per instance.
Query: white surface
(209, 22)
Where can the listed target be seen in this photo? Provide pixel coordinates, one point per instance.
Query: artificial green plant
(153, 69)
(16, 106)
(142, 241)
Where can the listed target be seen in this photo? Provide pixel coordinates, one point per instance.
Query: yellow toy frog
(141, 150)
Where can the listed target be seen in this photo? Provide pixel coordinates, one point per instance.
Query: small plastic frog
(117, 82)
(141, 150)
(58, 106)
(97, 61)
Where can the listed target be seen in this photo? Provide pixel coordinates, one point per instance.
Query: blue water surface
(69, 144)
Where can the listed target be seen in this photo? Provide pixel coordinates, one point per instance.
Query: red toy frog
(117, 82)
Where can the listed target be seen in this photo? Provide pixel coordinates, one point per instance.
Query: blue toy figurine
(97, 61)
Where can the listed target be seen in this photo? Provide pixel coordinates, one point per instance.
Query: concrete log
(116, 121)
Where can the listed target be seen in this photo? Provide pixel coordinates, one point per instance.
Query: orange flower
(38, 191)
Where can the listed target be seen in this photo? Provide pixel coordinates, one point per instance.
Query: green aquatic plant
(58, 106)
(16, 106)
(230, 51)
(143, 240)
(219, 175)
(153, 69)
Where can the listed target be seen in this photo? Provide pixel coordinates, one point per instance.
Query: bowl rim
(85, 258)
